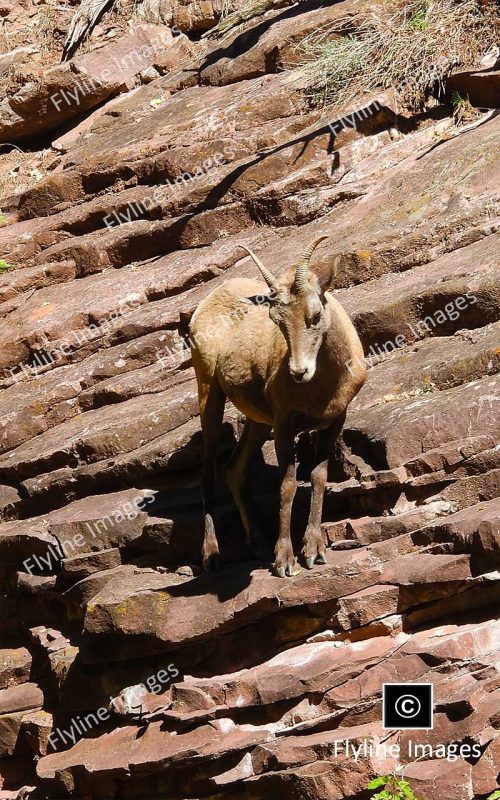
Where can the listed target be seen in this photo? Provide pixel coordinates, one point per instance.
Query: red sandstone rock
(15, 667)
(480, 88)
(71, 89)
(366, 606)
(422, 423)
(37, 727)
(270, 674)
(14, 701)
(276, 752)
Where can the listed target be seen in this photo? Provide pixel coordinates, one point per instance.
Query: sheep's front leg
(284, 439)
(314, 549)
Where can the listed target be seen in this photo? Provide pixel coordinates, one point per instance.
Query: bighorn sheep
(290, 360)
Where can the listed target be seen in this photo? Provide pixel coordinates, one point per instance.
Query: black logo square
(407, 706)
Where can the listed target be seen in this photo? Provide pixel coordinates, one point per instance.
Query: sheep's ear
(327, 278)
(257, 300)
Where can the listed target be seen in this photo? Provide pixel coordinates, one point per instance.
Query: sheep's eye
(314, 320)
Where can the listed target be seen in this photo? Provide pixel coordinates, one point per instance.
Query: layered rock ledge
(125, 671)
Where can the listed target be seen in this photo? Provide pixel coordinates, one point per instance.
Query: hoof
(284, 562)
(313, 551)
(284, 572)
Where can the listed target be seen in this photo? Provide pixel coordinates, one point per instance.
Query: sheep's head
(300, 311)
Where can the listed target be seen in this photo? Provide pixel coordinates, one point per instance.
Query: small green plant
(4, 265)
(463, 110)
(427, 385)
(418, 20)
(2, 217)
(457, 100)
(394, 788)
(494, 796)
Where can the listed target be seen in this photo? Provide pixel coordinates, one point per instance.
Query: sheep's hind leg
(314, 549)
(212, 412)
(285, 450)
(253, 437)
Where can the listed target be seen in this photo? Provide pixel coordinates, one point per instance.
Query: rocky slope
(142, 189)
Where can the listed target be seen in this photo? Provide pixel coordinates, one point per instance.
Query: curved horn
(303, 265)
(266, 274)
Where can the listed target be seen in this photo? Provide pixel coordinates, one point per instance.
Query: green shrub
(463, 110)
(418, 22)
(394, 788)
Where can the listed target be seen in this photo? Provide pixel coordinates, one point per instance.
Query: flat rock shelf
(126, 672)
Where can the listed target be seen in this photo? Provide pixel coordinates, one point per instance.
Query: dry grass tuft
(41, 30)
(234, 14)
(411, 47)
(228, 7)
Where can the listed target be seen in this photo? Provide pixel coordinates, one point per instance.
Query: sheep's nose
(298, 374)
